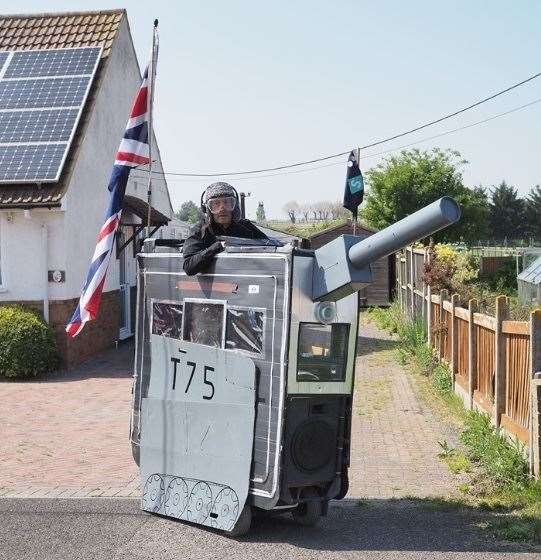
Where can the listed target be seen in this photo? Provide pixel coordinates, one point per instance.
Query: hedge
(27, 344)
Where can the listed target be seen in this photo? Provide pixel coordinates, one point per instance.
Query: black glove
(215, 248)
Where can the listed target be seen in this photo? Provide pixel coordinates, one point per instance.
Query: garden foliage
(27, 344)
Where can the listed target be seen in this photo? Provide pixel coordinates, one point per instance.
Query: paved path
(68, 435)
(395, 436)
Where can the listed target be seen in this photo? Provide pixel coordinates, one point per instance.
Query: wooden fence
(493, 360)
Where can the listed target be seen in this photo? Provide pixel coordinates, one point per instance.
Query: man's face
(222, 209)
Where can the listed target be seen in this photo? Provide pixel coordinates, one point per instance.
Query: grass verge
(496, 469)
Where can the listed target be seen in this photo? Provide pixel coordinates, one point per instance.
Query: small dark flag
(353, 194)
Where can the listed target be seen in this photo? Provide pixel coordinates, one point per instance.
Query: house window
(322, 352)
(167, 319)
(244, 330)
(204, 322)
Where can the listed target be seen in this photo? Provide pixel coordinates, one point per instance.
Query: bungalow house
(64, 104)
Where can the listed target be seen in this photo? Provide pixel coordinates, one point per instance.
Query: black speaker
(312, 454)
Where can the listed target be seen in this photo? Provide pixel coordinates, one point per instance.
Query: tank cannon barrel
(342, 266)
(412, 228)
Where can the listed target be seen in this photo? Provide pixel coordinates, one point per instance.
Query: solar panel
(3, 58)
(57, 62)
(35, 94)
(30, 162)
(49, 125)
(42, 94)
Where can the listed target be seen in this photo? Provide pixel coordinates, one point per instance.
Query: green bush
(504, 279)
(27, 345)
(388, 319)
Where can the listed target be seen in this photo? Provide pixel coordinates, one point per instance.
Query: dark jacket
(202, 245)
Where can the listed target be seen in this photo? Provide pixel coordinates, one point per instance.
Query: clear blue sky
(245, 85)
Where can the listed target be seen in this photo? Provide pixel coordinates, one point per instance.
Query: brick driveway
(394, 435)
(68, 435)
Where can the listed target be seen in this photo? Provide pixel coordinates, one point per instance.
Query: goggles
(221, 204)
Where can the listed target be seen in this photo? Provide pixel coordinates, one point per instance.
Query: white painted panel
(197, 432)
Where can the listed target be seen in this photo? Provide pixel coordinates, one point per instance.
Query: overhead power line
(370, 145)
(374, 154)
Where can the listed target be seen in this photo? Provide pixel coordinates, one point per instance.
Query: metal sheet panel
(303, 310)
(262, 284)
(197, 432)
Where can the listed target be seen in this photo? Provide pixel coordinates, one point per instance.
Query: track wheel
(308, 514)
(242, 526)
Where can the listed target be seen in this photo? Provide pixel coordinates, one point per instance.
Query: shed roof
(54, 31)
(343, 227)
(277, 234)
(532, 273)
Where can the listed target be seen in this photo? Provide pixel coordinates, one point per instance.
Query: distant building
(48, 230)
(529, 283)
(279, 235)
(175, 229)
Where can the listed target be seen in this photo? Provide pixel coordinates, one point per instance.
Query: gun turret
(342, 266)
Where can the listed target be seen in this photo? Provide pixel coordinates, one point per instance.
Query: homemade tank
(244, 375)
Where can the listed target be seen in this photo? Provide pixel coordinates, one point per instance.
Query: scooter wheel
(242, 526)
(308, 514)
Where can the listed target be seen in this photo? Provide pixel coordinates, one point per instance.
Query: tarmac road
(116, 529)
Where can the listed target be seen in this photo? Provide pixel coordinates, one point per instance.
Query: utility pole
(242, 204)
(358, 156)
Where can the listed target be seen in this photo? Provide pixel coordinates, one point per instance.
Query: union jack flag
(133, 151)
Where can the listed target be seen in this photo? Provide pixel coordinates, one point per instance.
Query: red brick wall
(95, 337)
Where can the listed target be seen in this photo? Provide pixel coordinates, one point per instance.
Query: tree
(260, 213)
(338, 211)
(189, 212)
(404, 183)
(322, 210)
(506, 219)
(533, 212)
(305, 210)
(292, 209)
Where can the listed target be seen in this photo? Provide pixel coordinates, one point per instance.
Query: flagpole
(358, 156)
(150, 108)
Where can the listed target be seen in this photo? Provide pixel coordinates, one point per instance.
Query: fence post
(423, 309)
(412, 293)
(454, 337)
(472, 351)
(398, 284)
(502, 312)
(444, 294)
(429, 332)
(535, 408)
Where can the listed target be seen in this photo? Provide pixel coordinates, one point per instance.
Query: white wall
(87, 196)
(22, 260)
